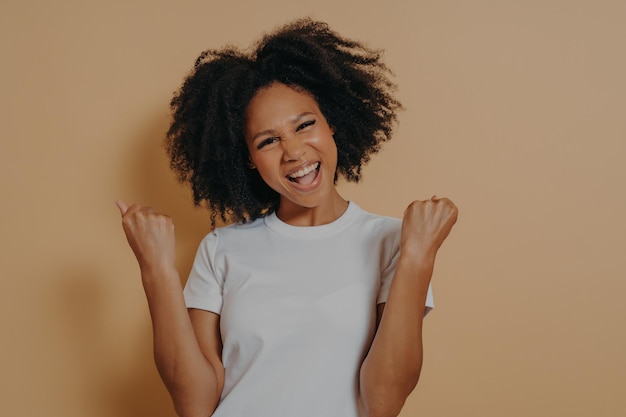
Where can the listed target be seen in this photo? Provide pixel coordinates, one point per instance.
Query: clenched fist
(425, 226)
(150, 235)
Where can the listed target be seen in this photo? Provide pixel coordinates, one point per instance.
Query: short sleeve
(204, 288)
(385, 284)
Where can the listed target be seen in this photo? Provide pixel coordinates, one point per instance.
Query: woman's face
(292, 146)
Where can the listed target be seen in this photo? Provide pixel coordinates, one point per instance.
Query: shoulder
(377, 230)
(378, 223)
(232, 232)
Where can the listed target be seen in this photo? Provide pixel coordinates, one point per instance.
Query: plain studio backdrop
(514, 109)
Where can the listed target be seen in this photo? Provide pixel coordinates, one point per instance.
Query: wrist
(416, 264)
(155, 273)
(417, 256)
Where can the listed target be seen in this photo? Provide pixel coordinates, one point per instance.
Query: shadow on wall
(151, 182)
(139, 390)
(114, 372)
(129, 384)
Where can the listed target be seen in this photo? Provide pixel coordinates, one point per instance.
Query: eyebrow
(295, 120)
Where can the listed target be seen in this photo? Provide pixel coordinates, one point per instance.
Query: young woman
(306, 305)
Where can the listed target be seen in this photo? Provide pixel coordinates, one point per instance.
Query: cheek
(328, 144)
(323, 139)
(266, 164)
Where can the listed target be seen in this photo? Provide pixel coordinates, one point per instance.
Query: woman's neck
(324, 213)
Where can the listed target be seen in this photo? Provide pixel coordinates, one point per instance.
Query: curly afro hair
(206, 142)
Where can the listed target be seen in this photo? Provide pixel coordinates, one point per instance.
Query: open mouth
(306, 175)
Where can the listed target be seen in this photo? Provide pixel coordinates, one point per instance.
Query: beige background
(515, 109)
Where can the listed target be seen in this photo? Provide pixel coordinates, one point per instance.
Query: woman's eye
(306, 124)
(266, 142)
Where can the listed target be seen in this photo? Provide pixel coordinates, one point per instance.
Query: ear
(251, 164)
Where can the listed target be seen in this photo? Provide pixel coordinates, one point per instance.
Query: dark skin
(284, 145)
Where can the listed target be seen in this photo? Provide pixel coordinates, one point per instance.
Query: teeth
(304, 171)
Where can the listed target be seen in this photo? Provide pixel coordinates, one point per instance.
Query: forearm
(392, 367)
(192, 381)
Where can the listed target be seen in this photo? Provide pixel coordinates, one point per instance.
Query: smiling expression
(292, 147)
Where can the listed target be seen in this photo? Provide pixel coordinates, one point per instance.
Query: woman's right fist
(150, 235)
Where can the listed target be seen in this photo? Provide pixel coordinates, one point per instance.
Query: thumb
(122, 206)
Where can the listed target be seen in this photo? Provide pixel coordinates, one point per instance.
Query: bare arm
(393, 364)
(187, 345)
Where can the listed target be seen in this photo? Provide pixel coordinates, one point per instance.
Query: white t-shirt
(298, 309)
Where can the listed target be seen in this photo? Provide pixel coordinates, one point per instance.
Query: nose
(293, 148)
